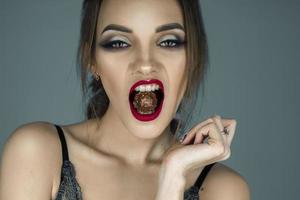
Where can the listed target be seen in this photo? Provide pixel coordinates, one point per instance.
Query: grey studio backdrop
(252, 77)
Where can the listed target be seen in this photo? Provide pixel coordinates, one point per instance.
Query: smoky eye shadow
(181, 39)
(111, 39)
(108, 41)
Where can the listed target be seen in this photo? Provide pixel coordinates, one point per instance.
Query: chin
(148, 129)
(147, 132)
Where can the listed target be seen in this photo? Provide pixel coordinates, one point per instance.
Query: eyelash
(121, 44)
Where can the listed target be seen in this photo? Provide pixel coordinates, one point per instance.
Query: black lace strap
(202, 176)
(64, 147)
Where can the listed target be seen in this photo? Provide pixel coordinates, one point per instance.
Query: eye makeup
(169, 41)
(114, 43)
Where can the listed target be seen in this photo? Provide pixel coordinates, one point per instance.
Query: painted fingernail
(183, 138)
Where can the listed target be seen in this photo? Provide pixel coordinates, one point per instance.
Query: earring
(97, 76)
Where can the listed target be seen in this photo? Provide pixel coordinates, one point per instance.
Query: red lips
(147, 117)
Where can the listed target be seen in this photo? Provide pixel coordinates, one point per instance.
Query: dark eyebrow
(170, 26)
(117, 27)
(161, 28)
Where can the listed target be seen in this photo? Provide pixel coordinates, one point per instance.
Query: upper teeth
(147, 87)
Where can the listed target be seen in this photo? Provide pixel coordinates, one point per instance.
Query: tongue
(145, 102)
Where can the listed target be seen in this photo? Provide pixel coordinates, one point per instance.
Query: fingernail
(183, 138)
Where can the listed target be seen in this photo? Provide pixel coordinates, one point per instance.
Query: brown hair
(196, 51)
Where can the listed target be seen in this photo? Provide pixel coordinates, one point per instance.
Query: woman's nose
(146, 63)
(146, 69)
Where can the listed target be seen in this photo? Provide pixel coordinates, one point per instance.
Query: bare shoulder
(223, 182)
(29, 162)
(35, 137)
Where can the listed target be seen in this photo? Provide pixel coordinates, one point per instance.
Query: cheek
(113, 73)
(176, 72)
(178, 83)
(177, 80)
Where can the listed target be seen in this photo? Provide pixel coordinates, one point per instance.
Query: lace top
(69, 189)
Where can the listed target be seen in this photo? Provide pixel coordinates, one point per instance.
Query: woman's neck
(112, 137)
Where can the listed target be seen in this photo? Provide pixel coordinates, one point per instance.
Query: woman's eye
(171, 43)
(117, 44)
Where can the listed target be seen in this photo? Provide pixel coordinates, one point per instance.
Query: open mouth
(146, 99)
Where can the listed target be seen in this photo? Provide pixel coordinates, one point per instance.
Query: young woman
(147, 59)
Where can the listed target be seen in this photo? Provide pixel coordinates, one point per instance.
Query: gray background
(253, 77)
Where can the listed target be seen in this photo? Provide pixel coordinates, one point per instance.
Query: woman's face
(142, 40)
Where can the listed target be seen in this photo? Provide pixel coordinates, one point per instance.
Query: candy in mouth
(145, 102)
(146, 99)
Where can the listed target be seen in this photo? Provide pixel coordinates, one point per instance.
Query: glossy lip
(146, 117)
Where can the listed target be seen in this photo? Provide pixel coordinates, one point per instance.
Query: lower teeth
(145, 113)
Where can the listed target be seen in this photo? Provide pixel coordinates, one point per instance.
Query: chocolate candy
(145, 102)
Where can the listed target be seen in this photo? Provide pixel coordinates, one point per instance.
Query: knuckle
(210, 124)
(218, 116)
(215, 117)
(213, 126)
(210, 120)
(220, 149)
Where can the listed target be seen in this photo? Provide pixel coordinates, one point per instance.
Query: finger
(212, 132)
(217, 120)
(191, 134)
(199, 138)
(230, 124)
(215, 140)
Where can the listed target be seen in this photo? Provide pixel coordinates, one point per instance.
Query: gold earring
(97, 76)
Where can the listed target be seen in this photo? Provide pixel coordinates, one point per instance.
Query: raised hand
(206, 143)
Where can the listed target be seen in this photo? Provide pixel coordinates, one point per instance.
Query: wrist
(171, 184)
(169, 173)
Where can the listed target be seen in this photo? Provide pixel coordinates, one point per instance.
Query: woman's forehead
(139, 13)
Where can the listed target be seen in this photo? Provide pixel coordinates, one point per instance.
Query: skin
(145, 58)
(119, 157)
